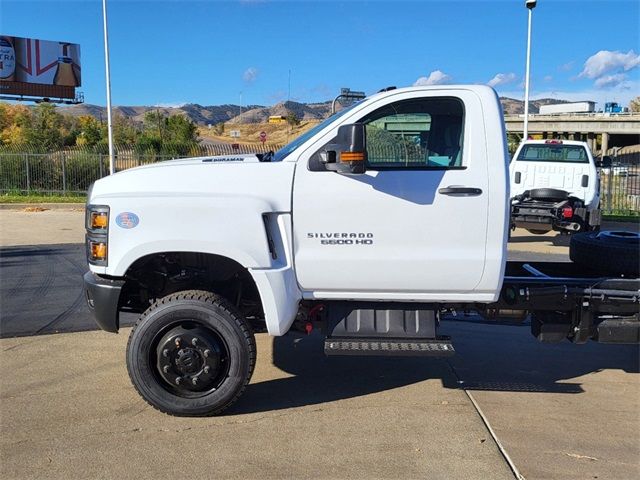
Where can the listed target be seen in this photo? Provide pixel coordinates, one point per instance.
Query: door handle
(456, 191)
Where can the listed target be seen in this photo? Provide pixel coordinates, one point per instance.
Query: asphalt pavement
(68, 410)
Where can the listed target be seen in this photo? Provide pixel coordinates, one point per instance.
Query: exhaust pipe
(572, 226)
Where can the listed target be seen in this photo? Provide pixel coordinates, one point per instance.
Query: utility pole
(530, 4)
(112, 169)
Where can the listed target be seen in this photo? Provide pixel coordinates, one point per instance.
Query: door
(416, 222)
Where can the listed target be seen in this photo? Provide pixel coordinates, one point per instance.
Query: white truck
(368, 227)
(554, 186)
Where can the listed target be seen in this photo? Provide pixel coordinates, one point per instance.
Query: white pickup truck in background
(368, 227)
(554, 186)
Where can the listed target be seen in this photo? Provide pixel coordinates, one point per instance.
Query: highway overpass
(616, 130)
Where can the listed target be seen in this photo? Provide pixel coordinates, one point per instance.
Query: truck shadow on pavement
(489, 357)
(318, 379)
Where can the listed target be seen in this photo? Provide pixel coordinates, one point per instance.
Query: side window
(420, 133)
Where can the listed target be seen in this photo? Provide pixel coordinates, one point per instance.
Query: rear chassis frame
(533, 214)
(568, 301)
(563, 300)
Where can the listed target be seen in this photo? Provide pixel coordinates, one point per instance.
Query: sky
(263, 52)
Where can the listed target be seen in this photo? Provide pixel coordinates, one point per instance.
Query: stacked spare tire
(607, 252)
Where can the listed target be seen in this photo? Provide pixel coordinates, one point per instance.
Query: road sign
(263, 136)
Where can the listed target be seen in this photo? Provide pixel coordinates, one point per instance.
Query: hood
(242, 175)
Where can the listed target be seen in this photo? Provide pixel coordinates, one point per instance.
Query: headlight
(97, 225)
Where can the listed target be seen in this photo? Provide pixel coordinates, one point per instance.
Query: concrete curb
(46, 206)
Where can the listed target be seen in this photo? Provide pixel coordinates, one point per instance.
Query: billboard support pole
(108, 82)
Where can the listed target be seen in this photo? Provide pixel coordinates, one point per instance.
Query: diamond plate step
(440, 347)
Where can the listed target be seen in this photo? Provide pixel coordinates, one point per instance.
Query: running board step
(440, 347)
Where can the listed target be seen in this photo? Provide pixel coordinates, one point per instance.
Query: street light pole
(108, 82)
(530, 4)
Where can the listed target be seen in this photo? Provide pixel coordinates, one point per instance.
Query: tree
(46, 130)
(125, 131)
(15, 120)
(181, 130)
(153, 124)
(634, 105)
(89, 131)
(292, 119)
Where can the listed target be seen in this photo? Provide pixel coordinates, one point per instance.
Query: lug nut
(165, 352)
(194, 380)
(194, 342)
(165, 369)
(178, 380)
(178, 340)
(206, 369)
(207, 352)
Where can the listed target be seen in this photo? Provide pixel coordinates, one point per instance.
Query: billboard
(39, 68)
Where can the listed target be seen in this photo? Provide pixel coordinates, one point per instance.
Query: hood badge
(224, 159)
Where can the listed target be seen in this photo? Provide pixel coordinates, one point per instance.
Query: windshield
(290, 147)
(553, 152)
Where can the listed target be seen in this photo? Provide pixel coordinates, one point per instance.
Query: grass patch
(41, 198)
(622, 218)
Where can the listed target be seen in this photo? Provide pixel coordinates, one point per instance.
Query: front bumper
(103, 296)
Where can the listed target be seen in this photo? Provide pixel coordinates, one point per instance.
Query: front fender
(231, 226)
(280, 296)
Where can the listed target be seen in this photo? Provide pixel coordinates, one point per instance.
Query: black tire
(548, 194)
(607, 253)
(221, 359)
(538, 232)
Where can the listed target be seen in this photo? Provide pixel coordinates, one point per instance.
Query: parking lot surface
(68, 410)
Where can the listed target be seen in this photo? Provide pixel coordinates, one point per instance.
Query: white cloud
(606, 61)
(607, 81)
(566, 66)
(250, 75)
(436, 77)
(502, 79)
(548, 78)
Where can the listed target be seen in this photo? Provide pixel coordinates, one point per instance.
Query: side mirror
(348, 155)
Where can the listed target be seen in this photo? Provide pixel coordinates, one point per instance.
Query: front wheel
(191, 354)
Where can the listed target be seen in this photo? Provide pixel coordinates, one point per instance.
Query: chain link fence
(620, 184)
(72, 171)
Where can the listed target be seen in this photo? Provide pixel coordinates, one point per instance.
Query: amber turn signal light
(352, 156)
(98, 250)
(99, 220)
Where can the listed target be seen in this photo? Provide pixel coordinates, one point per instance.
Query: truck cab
(554, 186)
